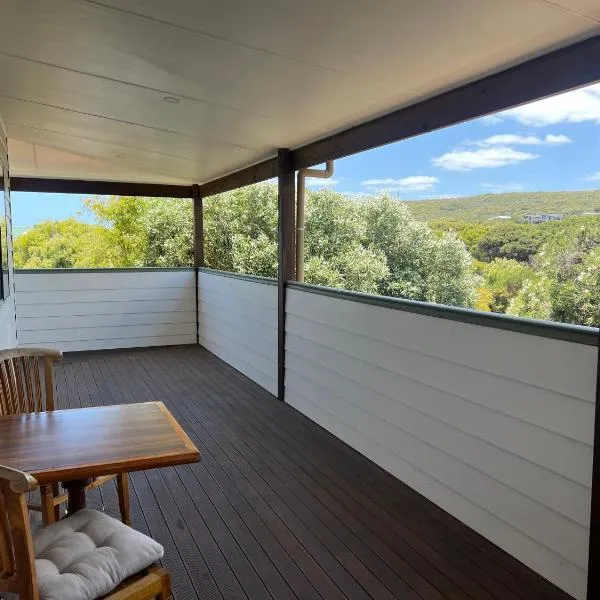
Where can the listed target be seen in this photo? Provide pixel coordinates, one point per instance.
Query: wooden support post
(593, 587)
(198, 245)
(287, 253)
(198, 227)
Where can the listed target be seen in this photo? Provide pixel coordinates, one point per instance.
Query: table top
(86, 442)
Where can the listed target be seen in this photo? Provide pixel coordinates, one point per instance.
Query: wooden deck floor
(279, 508)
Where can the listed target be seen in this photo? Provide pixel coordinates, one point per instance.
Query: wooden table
(72, 446)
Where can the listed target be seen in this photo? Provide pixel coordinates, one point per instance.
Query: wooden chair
(18, 571)
(27, 386)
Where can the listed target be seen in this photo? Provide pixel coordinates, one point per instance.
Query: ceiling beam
(254, 174)
(100, 188)
(559, 71)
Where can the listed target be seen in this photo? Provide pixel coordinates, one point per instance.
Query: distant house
(543, 218)
(500, 218)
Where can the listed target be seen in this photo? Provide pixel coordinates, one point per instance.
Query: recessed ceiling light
(172, 99)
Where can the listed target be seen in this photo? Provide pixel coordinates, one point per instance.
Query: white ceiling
(83, 82)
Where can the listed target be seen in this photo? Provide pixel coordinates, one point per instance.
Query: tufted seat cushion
(88, 554)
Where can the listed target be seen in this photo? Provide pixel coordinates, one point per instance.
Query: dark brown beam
(254, 174)
(198, 227)
(287, 253)
(100, 188)
(553, 73)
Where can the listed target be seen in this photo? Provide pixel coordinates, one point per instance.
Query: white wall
(237, 320)
(75, 310)
(8, 330)
(495, 427)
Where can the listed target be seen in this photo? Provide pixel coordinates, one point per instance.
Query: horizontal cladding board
(76, 280)
(226, 354)
(105, 333)
(538, 483)
(242, 336)
(543, 560)
(531, 403)
(261, 313)
(256, 361)
(249, 291)
(265, 331)
(563, 536)
(121, 295)
(549, 410)
(130, 307)
(114, 320)
(7, 323)
(513, 355)
(110, 344)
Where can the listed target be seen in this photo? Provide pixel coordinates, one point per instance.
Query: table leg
(76, 491)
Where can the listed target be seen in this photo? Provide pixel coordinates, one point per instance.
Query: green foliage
(566, 284)
(145, 232)
(503, 278)
(515, 205)
(511, 241)
(374, 246)
(240, 230)
(422, 265)
(62, 245)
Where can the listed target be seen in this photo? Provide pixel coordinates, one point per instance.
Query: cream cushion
(88, 554)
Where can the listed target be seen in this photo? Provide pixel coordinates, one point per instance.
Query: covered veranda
(353, 446)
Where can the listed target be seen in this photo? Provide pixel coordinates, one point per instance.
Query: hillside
(515, 205)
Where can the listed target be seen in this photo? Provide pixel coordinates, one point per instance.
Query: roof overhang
(190, 91)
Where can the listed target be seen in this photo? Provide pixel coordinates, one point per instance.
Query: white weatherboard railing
(490, 418)
(102, 309)
(494, 426)
(237, 321)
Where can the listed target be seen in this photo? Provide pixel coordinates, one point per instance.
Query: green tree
(146, 232)
(62, 245)
(566, 286)
(240, 230)
(422, 265)
(503, 278)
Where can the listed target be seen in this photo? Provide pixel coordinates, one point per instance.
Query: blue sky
(552, 144)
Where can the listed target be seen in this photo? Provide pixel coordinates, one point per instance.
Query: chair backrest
(25, 386)
(17, 558)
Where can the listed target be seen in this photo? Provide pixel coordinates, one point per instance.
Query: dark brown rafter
(100, 188)
(254, 174)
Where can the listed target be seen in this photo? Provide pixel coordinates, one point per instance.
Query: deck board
(278, 507)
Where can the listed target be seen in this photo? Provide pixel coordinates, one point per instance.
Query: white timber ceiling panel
(192, 89)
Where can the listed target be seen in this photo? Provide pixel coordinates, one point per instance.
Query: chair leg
(55, 493)
(47, 502)
(165, 592)
(123, 493)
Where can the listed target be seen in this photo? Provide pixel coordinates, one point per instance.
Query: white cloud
(557, 139)
(515, 139)
(317, 182)
(593, 177)
(414, 183)
(573, 107)
(502, 188)
(460, 159)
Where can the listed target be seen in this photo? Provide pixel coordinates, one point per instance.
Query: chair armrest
(41, 352)
(18, 481)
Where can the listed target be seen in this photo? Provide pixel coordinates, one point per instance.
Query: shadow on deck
(279, 508)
